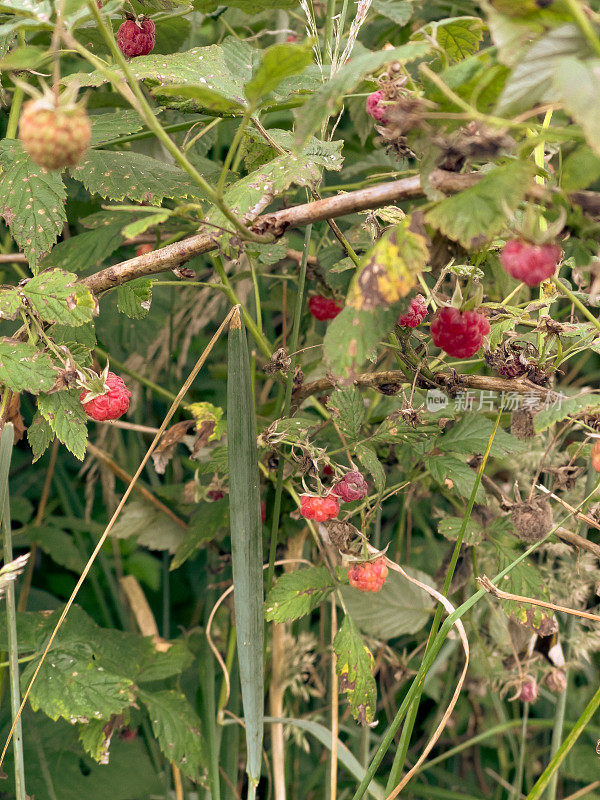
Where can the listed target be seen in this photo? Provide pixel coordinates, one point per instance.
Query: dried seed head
(532, 519)
(521, 424)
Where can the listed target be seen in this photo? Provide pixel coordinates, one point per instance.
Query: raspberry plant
(299, 311)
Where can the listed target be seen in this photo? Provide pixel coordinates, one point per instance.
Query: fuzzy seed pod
(521, 424)
(532, 519)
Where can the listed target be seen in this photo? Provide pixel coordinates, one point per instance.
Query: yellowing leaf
(206, 412)
(391, 270)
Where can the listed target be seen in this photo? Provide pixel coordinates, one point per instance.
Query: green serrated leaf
(95, 737)
(349, 411)
(531, 80)
(459, 37)
(72, 686)
(210, 522)
(563, 407)
(118, 175)
(65, 414)
(399, 11)
(141, 225)
(177, 729)
(57, 297)
(450, 527)
(526, 580)
(134, 298)
(31, 201)
(58, 544)
(277, 62)
(297, 593)
(25, 368)
(580, 169)
(480, 211)
(327, 100)
(39, 436)
(86, 250)
(471, 436)
(10, 303)
(368, 458)
(578, 84)
(106, 127)
(352, 338)
(203, 98)
(354, 666)
(454, 474)
(151, 528)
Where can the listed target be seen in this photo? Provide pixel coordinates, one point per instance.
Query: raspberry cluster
(368, 576)
(110, 405)
(136, 37)
(323, 308)
(459, 333)
(353, 486)
(374, 106)
(528, 262)
(319, 508)
(415, 314)
(55, 136)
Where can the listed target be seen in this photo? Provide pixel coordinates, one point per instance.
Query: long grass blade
(6, 446)
(246, 542)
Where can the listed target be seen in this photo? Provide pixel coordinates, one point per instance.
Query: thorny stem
(154, 125)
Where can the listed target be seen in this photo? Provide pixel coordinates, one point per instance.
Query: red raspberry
(374, 107)
(459, 334)
(529, 691)
(596, 455)
(215, 494)
(54, 136)
(528, 262)
(143, 249)
(368, 576)
(323, 307)
(136, 37)
(319, 508)
(291, 38)
(110, 405)
(352, 487)
(327, 471)
(415, 314)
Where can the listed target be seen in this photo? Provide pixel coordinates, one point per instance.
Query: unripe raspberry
(374, 106)
(323, 307)
(415, 314)
(529, 691)
(110, 405)
(528, 262)
(459, 333)
(352, 487)
(143, 249)
(319, 508)
(55, 136)
(596, 455)
(368, 576)
(136, 37)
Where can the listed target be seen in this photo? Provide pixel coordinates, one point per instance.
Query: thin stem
(17, 102)
(233, 147)
(6, 446)
(328, 39)
(518, 782)
(287, 404)
(258, 336)
(578, 304)
(585, 26)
